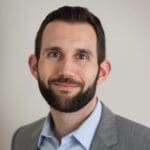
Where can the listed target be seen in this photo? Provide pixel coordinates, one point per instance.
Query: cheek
(89, 76)
(44, 72)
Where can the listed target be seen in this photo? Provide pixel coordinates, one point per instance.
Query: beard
(67, 103)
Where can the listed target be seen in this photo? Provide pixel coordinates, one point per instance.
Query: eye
(82, 56)
(54, 54)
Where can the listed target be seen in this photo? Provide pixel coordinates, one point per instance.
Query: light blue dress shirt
(79, 139)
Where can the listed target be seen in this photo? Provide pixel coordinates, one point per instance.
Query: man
(69, 62)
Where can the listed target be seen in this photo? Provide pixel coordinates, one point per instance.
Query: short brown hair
(74, 15)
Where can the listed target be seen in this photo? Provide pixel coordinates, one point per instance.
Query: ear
(105, 68)
(32, 62)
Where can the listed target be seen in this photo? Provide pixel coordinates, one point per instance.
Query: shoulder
(121, 133)
(30, 128)
(124, 127)
(132, 132)
(27, 133)
(127, 125)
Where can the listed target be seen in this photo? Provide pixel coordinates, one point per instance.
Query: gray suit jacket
(113, 133)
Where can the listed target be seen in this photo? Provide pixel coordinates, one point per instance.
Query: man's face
(67, 67)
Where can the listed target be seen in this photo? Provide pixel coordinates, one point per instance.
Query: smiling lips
(65, 86)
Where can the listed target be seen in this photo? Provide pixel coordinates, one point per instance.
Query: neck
(65, 123)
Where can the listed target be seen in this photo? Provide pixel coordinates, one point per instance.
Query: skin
(69, 49)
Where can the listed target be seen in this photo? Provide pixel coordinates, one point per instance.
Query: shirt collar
(83, 134)
(46, 132)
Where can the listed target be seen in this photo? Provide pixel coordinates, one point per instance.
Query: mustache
(64, 79)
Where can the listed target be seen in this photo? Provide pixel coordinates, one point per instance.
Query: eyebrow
(82, 50)
(53, 48)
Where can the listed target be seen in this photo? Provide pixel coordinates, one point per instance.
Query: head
(69, 59)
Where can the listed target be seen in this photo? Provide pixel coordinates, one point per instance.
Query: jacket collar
(106, 133)
(35, 135)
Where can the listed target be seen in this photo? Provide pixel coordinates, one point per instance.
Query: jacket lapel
(35, 135)
(106, 133)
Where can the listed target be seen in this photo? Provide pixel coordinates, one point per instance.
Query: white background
(126, 92)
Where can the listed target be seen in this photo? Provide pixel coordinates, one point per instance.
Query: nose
(67, 67)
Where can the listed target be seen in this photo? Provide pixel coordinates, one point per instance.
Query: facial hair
(67, 104)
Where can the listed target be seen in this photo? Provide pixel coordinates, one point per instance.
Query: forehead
(69, 34)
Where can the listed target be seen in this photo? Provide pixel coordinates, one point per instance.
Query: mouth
(62, 86)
